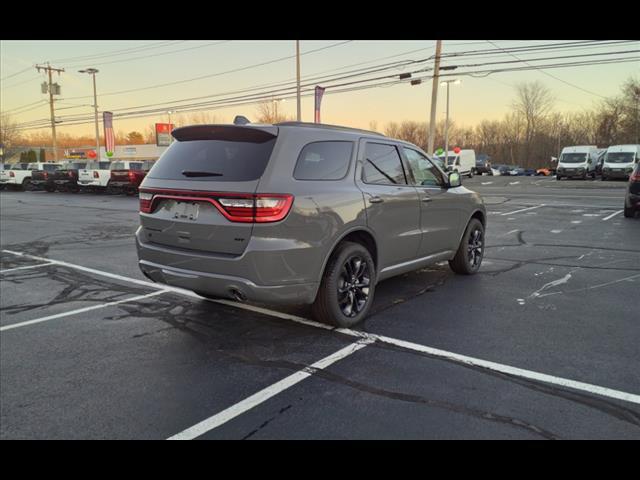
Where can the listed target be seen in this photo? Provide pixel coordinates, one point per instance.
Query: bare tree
(9, 134)
(533, 102)
(269, 112)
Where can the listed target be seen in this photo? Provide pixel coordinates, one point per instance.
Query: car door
(441, 209)
(392, 205)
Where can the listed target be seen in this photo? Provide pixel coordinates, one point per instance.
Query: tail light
(236, 207)
(132, 175)
(96, 174)
(12, 174)
(635, 177)
(70, 173)
(46, 175)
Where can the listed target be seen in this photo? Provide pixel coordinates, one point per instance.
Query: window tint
(382, 165)
(117, 166)
(424, 171)
(231, 160)
(135, 166)
(50, 167)
(323, 161)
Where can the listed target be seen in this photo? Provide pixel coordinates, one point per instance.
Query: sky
(142, 65)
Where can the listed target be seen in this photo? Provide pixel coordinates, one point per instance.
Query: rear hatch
(200, 194)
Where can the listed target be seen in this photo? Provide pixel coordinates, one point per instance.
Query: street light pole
(298, 80)
(434, 98)
(92, 72)
(446, 122)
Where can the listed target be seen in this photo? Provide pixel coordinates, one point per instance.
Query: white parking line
(612, 215)
(518, 372)
(25, 268)
(523, 210)
(79, 310)
(266, 393)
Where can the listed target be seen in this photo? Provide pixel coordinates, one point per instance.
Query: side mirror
(454, 180)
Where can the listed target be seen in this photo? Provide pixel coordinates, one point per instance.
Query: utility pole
(50, 69)
(92, 72)
(298, 79)
(434, 98)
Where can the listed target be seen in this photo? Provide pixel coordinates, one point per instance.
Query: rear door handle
(426, 199)
(375, 199)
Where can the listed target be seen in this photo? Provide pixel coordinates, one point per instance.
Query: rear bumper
(184, 269)
(94, 184)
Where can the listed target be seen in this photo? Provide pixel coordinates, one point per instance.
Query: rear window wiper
(192, 173)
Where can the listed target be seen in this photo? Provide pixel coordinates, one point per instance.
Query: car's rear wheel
(346, 291)
(471, 250)
(27, 185)
(629, 212)
(50, 188)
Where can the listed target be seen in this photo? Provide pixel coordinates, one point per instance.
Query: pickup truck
(128, 180)
(19, 175)
(43, 178)
(95, 176)
(65, 179)
(6, 179)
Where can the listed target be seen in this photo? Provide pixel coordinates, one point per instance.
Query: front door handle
(375, 199)
(426, 199)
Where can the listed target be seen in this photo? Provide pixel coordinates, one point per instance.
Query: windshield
(19, 166)
(76, 166)
(573, 157)
(619, 157)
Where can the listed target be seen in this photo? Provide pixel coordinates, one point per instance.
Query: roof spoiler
(230, 133)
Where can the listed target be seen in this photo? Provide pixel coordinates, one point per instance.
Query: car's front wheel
(629, 212)
(471, 250)
(346, 291)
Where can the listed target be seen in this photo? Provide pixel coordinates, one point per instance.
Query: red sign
(163, 134)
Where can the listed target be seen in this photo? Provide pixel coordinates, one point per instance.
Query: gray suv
(299, 213)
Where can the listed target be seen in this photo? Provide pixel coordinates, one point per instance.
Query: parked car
(545, 172)
(483, 165)
(299, 213)
(65, 179)
(632, 199)
(619, 161)
(529, 172)
(42, 179)
(577, 162)
(127, 180)
(517, 171)
(463, 162)
(6, 178)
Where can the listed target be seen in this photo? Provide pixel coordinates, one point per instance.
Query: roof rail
(326, 126)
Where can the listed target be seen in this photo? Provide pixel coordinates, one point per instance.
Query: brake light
(46, 175)
(12, 174)
(236, 207)
(70, 173)
(132, 175)
(96, 174)
(635, 177)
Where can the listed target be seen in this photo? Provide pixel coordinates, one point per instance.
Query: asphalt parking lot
(544, 343)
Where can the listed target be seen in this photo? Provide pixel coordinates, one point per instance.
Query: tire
(470, 173)
(558, 177)
(471, 250)
(603, 178)
(328, 306)
(629, 212)
(50, 188)
(73, 188)
(26, 185)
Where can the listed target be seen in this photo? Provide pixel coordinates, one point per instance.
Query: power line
(150, 56)
(226, 103)
(548, 74)
(111, 53)
(216, 74)
(15, 74)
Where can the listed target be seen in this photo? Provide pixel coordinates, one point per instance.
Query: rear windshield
(98, 165)
(76, 166)
(219, 160)
(50, 167)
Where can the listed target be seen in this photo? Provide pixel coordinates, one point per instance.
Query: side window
(424, 171)
(382, 165)
(323, 161)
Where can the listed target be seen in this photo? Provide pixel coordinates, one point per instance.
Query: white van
(463, 162)
(578, 161)
(619, 161)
